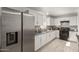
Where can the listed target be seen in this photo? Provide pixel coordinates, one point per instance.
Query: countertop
(44, 32)
(50, 31)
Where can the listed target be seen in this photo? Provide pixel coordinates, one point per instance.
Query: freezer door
(0, 27)
(11, 31)
(28, 33)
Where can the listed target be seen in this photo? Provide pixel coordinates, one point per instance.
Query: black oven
(64, 33)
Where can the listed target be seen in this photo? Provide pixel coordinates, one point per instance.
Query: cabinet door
(40, 19)
(48, 37)
(48, 20)
(53, 35)
(43, 41)
(73, 20)
(35, 15)
(57, 34)
(36, 20)
(37, 42)
(40, 41)
(52, 21)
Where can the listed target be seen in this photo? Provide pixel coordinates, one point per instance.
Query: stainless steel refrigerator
(17, 31)
(0, 27)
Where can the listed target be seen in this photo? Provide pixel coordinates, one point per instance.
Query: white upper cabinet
(71, 19)
(52, 22)
(39, 17)
(48, 20)
(35, 15)
(57, 21)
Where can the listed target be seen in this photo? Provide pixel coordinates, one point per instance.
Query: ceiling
(56, 11)
(53, 11)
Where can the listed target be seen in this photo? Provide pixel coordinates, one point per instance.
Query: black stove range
(64, 33)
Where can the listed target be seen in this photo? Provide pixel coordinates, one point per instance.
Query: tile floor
(60, 46)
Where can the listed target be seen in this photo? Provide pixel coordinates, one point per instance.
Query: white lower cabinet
(47, 36)
(52, 35)
(44, 38)
(72, 36)
(37, 42)
(57, 33)
(43, 41)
